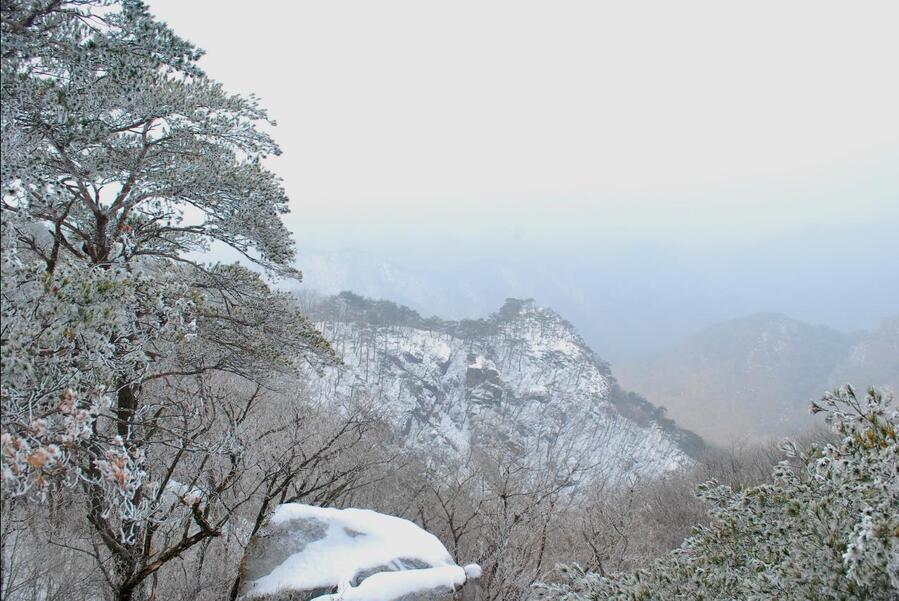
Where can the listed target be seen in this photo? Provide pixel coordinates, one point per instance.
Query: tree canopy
(122, 163)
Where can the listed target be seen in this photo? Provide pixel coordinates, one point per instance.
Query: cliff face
(521, 378)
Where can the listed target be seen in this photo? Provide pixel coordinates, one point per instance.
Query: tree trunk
(131, 590)
(127, 407)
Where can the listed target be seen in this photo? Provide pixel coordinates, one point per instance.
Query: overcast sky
(760, 138)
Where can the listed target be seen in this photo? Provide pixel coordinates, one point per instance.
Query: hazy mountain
(754, 377)
(627, 302)
(373, 277)
(873, 358)
(522, 378)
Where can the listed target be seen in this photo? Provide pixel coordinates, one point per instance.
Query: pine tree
(120, 158)
(826, 527)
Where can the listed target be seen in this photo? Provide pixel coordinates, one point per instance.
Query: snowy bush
(826, 527)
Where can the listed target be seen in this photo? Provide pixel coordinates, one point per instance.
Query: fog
(644, 169)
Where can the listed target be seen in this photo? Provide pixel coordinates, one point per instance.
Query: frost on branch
(71, 338)
(826, 527)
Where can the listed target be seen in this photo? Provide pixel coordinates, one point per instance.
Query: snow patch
(387, 586)
(356, 540)
(186, 494)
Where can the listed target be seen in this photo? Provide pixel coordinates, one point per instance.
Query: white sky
(460, 130)
(417, 101)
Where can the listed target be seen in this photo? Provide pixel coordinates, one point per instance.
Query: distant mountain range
(627, 305)
(521, 379)
(753, 378)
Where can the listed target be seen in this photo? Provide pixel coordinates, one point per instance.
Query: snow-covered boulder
(325, 554)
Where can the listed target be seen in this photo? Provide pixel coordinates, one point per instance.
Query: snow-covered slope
(521, 378)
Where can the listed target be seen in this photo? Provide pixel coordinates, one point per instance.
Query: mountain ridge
(521, 377)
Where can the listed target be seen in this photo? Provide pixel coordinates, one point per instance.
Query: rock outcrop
(307, 553)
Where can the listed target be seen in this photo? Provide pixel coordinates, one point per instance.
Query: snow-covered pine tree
(826, 527)
(120, 158)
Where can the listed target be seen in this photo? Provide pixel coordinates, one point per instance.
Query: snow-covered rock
(310, 553)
